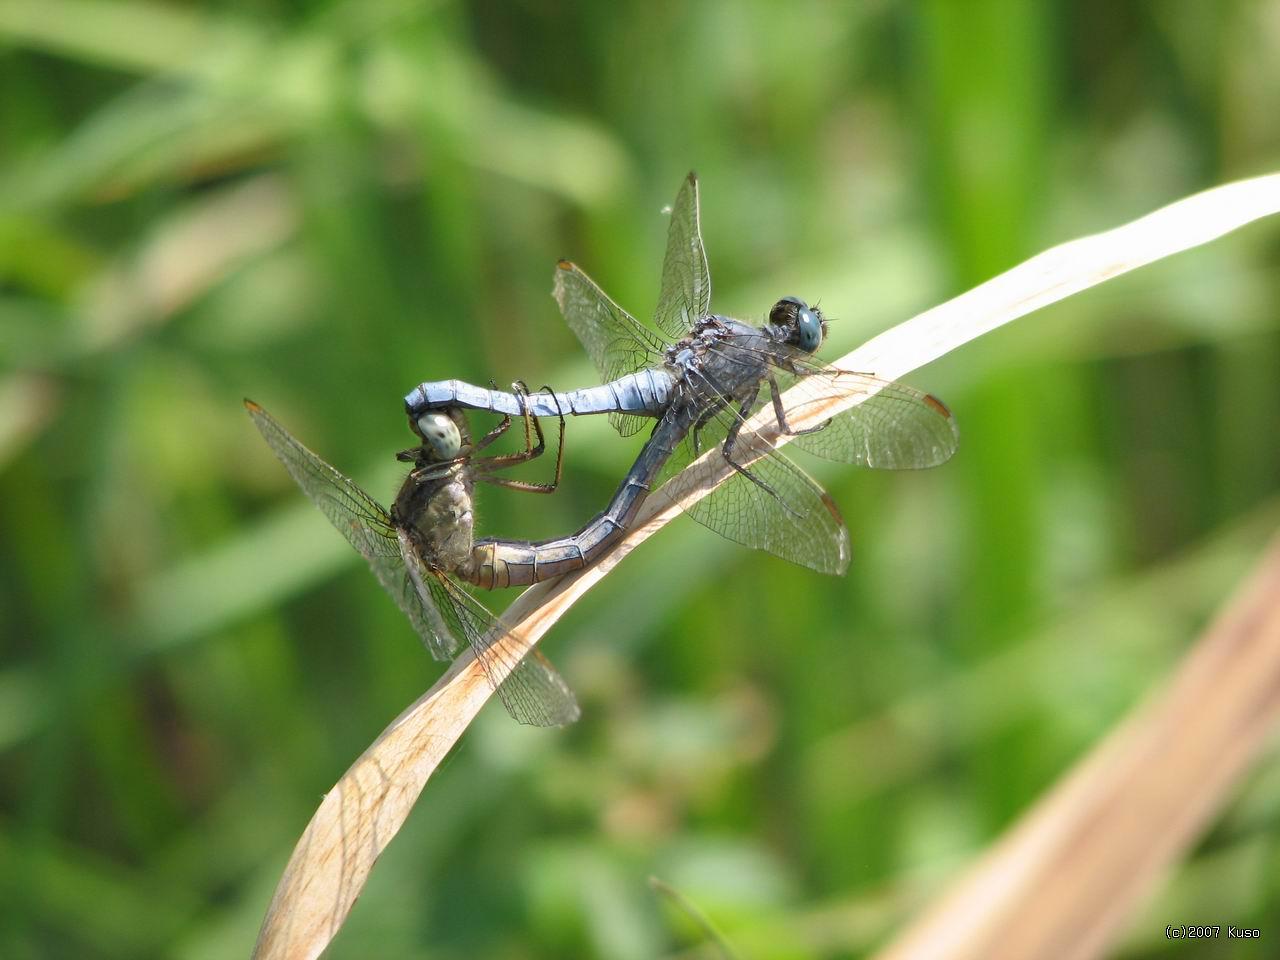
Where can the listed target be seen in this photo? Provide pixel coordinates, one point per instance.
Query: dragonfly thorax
(688, 350)
(723, 360)
(434, 509)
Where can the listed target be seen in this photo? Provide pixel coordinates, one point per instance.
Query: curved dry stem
(358, 818)
(1063, 880)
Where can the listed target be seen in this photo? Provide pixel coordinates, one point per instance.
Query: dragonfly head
(443, 433)
(798, 323)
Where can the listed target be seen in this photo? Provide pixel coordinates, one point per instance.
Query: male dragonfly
(703, 375)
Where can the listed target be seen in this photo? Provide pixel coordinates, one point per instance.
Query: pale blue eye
(441, 434)
(809, 330)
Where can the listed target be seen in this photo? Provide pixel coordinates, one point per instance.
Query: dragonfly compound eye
(441, 434)
(808, 330)
(784, 311)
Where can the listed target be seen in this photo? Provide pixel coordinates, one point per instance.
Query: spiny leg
(431, 470)
(519, 388)
(560, 440)
(701, 422)
(483, 468)
(726, 450)
(781, 414)
(528, 486)
(503, 425)
(531, 427)
(532, 422)
(414, 454)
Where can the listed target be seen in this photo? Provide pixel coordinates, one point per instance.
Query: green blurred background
(319, 204)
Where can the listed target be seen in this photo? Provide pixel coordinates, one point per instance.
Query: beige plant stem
(358, 818)
(1064, 879)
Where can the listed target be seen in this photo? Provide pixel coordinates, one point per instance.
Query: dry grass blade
(362, 813)
(1062, 882)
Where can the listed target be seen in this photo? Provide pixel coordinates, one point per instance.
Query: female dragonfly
(424, 544)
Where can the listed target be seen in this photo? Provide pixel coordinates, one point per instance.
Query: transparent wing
(364, 522)
(895, 428)
(686, 283)
(617, 343)
(536, 694)
(440, 611)
(628, 424)
(778, 508)
(533, 692)
(436, 630)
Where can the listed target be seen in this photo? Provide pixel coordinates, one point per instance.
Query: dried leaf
(358, 818)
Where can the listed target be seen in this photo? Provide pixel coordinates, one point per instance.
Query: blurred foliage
(319, 204)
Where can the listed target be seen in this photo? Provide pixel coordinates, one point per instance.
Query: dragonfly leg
(533, 426)
(781, 415)
(727, 450)
(429, 471)
(559, 440)
(413, 455)
(503, 425)
(701, 422)
(528, 486)
(521, 391)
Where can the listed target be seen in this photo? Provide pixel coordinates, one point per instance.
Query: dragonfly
(421, 547)
(702, 376)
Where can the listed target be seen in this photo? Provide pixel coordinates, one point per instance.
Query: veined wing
(778, 508)
(895, 427)
(533, 692)
(617, 343)
(364, 522)
(686, 283)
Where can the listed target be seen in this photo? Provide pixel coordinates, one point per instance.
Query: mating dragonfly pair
(701, 376)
